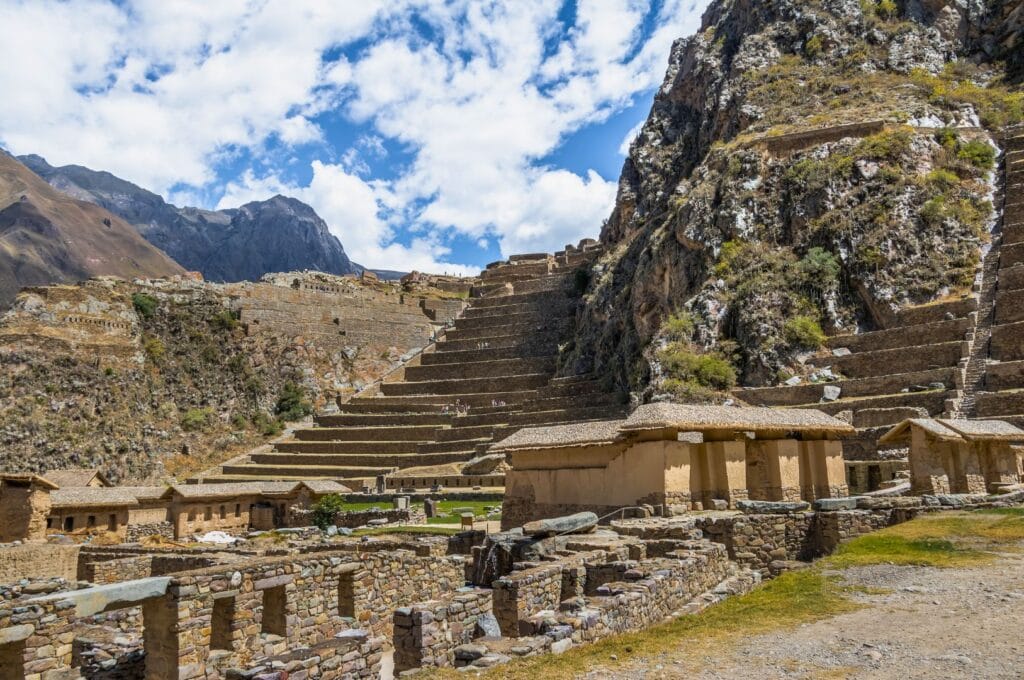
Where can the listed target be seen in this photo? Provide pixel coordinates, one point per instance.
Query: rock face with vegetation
(149, 380)
(749, 224)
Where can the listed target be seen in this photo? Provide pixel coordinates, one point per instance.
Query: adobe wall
(24, 510)
(40, 560)
(109, 519)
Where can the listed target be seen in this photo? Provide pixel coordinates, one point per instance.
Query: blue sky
(429, 134)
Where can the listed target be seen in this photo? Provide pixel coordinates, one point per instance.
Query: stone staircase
(1000, 389)
(490, 375)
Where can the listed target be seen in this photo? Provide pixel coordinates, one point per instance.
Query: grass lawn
(948, 539)
(418, 529)
(446, 507)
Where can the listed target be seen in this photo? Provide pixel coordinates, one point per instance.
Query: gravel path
(932, 623)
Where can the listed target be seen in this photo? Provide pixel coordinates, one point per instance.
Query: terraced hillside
(491, 374)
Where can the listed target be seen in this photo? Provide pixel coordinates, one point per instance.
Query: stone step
(1010, 255)
(551, 302)
(465, 433)
(301, 446)
(1015, 143)
(880, 362)
(1007, 342)
(475, 419)
(863, 387)
(463, 446)
(999, 404)
(398, 433)
(555, 282)
(534, 343)
(1009, 306)
(936, 311)
(1005, 375)
(488, 333)
(381, 419)
(479, 401)
(573, 401)
(906, 336)
(489, 354)
(538, 316)
(517, 299)
(350, 460)
(376, 405)
(1013, 211)
(468, 386)
(480, 369)
(308, 471)
(1013, 233)
(933, 402)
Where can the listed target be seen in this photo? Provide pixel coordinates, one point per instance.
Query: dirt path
(917, 622)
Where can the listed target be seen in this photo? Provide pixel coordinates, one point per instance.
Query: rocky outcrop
(806, 169)
(277, 235)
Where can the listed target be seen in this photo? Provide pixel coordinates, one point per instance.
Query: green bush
(325, 509)
(711, 371)
(943, 180)
(933, 212)
(886, 145)
(820, 268)
(292, 403)
(947, 138)
(678, 326)
(804, 332)
(887, 9)
(225, 321)
(977, 153)
(196, 419)
(266, 425)
(144, 304)
(814, 46)
(154, 348)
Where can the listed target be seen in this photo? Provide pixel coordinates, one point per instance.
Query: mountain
(49, 237)
(242, 244)
(807, 169)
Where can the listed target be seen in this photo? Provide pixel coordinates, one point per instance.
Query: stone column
(928, 473)
(781, 460)
(825, 468)
(685, 470)
(726, 465)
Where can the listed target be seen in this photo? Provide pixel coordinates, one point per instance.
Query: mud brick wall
(40, 560)
(427, 633)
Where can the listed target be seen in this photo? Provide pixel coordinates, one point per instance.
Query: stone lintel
(273, 582)
(99, 599)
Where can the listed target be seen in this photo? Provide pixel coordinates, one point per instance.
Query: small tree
(325, 509)
(144, 304)
(292, 403)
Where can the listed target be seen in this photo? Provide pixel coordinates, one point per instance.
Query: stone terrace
(491, 374)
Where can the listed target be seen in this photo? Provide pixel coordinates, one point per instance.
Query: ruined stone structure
(961, 456)
(673, 456)
(24, 507)
(491, 374)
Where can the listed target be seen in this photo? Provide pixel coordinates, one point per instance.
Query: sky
(430, 135)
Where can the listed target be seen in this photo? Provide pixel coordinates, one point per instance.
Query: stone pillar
(162, 640)
(685, 472)
(1000, 463)
(781, 461)
(969, 475)
(928, 474)
(725, 463)
(826, 469)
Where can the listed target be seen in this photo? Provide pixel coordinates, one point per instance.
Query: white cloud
(628, 139)
(162, 93)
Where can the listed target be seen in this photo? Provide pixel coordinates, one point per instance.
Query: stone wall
(352, 656)
(137, 532)
(41, 560)
(426, 634)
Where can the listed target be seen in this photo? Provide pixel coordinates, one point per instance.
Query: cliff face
(277, 235)
(754, 221)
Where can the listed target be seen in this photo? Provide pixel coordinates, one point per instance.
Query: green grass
(418, 529)
(446, 507)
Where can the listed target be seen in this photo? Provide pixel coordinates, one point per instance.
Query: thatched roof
(91, 497)
(147, 493)
(931, 426)
(227, 490)
(955, 430)
(985, 430)
(559, 436)
(27, 478)
(685, 417)
(76, 477)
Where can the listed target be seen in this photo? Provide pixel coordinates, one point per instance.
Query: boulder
(487, 626)
(483, 465)
(771, 507)
(832, 504)
(580, 523)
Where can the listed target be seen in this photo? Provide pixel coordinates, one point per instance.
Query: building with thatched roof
(87, 508)
(70, 477)
(673, 455)
(960, 456)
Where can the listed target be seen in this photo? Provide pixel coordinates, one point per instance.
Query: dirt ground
(917, 622)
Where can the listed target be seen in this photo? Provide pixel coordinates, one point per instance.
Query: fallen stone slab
(771, 507)
(580, 523)
(833, 504)
(888, 502)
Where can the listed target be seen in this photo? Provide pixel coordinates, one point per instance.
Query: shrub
(804, 332)
(943, 180)
(292, 403)
(947, 138)
(887, 9)
(154, 348)
(977, 153)
(144, 304)
(678, 326)
(885, 145)
(814, 46)
(933, 212)
(225, 321)
(325, 509)
(705, 370)
(266, 425)
(820, 268)
(196, 419)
